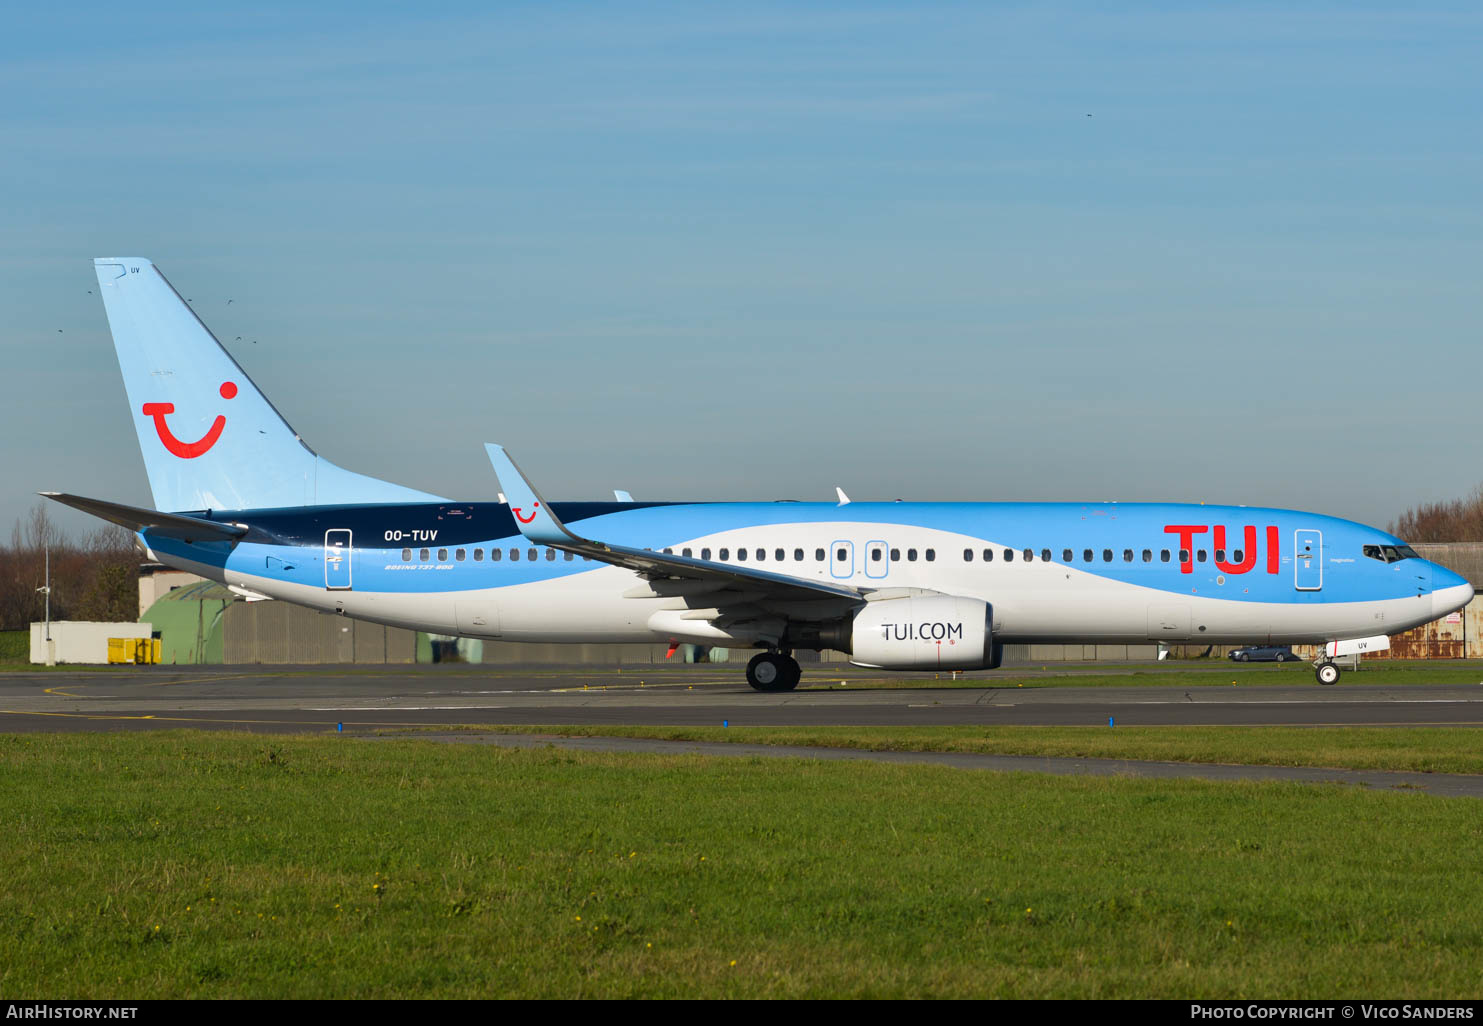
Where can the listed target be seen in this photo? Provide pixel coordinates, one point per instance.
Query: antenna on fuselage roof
(844, 500)
(502, 500)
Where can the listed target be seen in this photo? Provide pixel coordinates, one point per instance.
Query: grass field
(15, 648)
(217, 865)
(1419, 749)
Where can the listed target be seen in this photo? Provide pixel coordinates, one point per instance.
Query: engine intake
(925, 632)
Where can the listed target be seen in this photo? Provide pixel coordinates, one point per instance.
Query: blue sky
(697, 251)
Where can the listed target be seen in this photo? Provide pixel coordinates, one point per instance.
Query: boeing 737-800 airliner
(242, 500)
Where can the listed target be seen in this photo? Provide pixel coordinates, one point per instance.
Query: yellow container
(134, 650)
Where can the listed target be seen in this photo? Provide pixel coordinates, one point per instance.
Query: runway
(297, 699)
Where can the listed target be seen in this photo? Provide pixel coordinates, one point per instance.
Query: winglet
(532, 515)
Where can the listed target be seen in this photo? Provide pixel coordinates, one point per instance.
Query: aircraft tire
(792, 674)
(767, 671)
(1327, 673)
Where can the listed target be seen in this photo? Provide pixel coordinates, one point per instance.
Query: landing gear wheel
(771, 671)
(1327, 673)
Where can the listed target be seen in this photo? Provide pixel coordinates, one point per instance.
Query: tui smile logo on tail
(525, 520)
(188, 450)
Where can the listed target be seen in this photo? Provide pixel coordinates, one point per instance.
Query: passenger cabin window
(685, 553)
(495, 554)
(1184, 555)
(968, 555)
(1127, 555)
(741, 555)
(911, 555)
(1148, 555)
(1236, 556)
(1045, 555)
(705, 553)
(798, 555)
(514, 555)
(1029, 555)
(530, 554)
(761, 555)
(1199, 555)
(1220, 555)
(931, 554)
(406, 555)
(841, 555)
(779, 555)
(1065, 555)
(818, 555)
(1086, 555)
(1107, 555)
(459, 555)
(1163, 555)
(1009, 555)
(567, 556)
(988, 555)
(442, 555)
(725, 555)
(895, 555)
(423, 555)
(478, 555)
(550, 555)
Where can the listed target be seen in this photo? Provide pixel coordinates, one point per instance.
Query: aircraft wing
(540, 525)
(171, 525)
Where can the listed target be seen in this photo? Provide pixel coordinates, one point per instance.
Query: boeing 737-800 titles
(241, 499)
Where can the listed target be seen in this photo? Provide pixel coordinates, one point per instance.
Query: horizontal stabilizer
(171, 525)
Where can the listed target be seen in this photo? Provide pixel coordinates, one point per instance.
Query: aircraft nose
(1450, 591)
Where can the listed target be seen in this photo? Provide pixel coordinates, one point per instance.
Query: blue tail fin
(210, 439)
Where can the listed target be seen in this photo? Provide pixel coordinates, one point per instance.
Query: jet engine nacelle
(925, 632)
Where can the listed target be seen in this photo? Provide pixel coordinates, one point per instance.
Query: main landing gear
(773, 671)
(1327, 673)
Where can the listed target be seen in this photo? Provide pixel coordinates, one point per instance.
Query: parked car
(1263, 654)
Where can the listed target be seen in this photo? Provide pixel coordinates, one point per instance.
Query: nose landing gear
(773, 671)
(1327, 673)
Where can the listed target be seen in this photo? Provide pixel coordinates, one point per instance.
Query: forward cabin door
(1307, 560)
(337, 560)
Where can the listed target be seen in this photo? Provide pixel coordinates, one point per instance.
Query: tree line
(1455, 521)
(95, 578)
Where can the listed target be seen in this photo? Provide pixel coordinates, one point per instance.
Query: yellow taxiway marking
(645, 685)
(58, 691)
(210, 680)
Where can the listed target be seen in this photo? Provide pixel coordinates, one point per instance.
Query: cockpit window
(1390, 553)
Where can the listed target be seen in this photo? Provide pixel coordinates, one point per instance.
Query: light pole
(51, 659)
